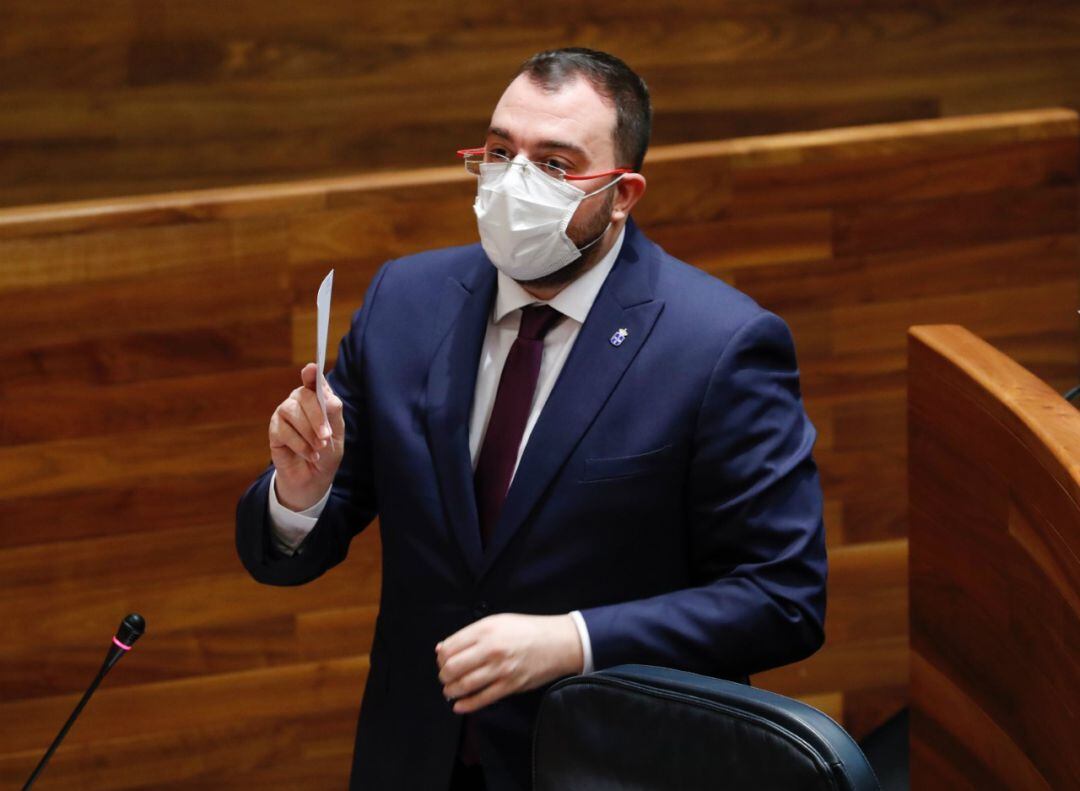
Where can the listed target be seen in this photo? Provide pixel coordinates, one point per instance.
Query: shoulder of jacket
(427, 266)
(701, 298)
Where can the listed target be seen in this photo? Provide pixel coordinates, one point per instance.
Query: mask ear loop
(597, 192)
(597, 239)
(609, 185)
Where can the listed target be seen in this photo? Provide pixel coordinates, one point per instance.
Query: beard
(593, 229)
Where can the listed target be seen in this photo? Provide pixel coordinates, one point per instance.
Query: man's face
(571, 128)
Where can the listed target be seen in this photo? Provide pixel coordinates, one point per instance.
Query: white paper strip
(322, 304)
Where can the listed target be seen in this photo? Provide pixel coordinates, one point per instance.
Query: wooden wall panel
(122, 97)
(145, 341)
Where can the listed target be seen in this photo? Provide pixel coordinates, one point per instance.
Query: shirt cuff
(289, 528)
(586, 644)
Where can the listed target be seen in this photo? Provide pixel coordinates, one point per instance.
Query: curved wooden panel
(995, 569)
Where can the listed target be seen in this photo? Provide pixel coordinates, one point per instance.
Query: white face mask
(523, 214)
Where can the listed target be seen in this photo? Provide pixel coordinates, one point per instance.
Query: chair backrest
(642, 727)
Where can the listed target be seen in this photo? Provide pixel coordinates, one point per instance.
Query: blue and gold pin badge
(619, 336)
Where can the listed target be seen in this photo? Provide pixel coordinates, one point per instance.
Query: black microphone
(131, 629)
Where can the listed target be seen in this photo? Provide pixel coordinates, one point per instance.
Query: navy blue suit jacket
(667, 491)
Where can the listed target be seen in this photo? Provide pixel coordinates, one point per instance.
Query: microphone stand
(130, 629)
(67, 726)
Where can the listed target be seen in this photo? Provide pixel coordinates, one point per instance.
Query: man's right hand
(305, 450)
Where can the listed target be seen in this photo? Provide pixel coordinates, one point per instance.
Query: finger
(283, 435)
(309, 377)
(310, 404)
(473, 681)
(461, 664)
(458, 641)
(485, 697)
(335, 410)
(294, 414)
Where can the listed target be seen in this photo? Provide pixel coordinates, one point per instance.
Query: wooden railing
(995, 569)
(144, 343)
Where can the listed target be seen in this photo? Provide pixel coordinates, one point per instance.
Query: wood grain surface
(145, 341)
(120, 97)
(995, 575)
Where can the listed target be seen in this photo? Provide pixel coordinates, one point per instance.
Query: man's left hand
(504, 654)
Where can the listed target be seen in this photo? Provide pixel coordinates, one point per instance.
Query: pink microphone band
(121, 645)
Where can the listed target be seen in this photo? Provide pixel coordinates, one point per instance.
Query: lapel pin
(619, 336)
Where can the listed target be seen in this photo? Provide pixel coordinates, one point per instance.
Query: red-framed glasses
(475, 157)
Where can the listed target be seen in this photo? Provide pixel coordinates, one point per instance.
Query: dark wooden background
(145, 341)
(120, 97)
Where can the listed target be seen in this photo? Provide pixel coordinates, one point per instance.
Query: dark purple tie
(495, 467)
(513, 402)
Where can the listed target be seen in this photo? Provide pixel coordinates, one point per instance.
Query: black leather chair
(652, 728)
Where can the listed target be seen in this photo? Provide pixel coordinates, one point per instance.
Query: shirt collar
(574, 301)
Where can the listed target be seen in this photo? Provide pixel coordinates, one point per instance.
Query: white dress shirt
(574, 302)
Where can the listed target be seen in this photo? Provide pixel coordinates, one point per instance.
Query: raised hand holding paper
(307, 430)
(322, 304)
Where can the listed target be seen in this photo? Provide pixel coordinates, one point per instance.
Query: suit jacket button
(481, 609)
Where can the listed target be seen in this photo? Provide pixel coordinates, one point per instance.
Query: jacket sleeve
(755, 532)
(352, 504)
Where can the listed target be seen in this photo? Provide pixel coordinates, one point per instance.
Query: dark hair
(613, 80)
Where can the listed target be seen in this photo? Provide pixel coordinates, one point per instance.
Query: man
(582, 452)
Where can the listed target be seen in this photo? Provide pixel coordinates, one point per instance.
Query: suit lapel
(460, 324)
(590, 373)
